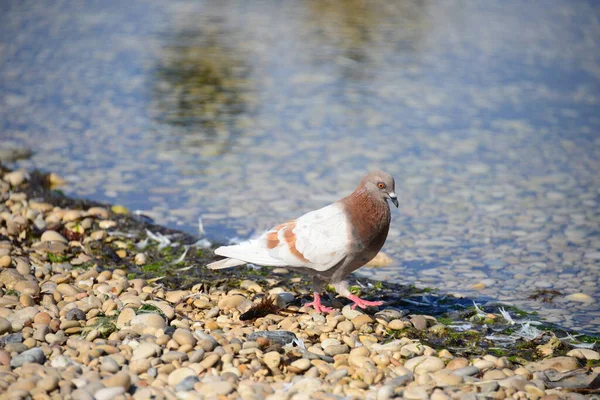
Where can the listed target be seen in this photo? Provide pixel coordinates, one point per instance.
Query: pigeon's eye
(381, 185)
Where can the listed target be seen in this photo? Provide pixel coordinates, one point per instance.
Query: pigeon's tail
(248, 252)
(225, 263)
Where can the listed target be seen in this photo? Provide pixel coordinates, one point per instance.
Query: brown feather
(369, 218)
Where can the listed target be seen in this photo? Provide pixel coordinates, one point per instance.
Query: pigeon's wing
(317, 240)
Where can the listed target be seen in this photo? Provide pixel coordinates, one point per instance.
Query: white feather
(322, 237)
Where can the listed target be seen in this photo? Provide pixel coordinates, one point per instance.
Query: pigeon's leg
(316, 303)
(342, 289)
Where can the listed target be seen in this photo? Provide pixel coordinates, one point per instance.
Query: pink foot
(316, 304)
(363, 303)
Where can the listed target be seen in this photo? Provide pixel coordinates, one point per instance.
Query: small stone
(221, 388)
(145, 350)
(35, 355)
(71, 215)
(419, 322)
(4, 357)
(272, 359)
(303, 364)
(493, 375)
(140, 259)
(5, 261)
(180, 374)
(67, 290)
(467, 371)
(55, 180)
(380, 260)
(424, 364)
(514, 382)
(75, 314)
(361, 320)
(98, 235)
(385, 392)
(236, 301)
(580, 298)
(210, 360)
(416, 393)
(534, 390)
(119, 209)
(125, 317)
(109, 365)
(345, 326)
(445, 377)
(336, 349)
(98, 212)
(151, 320)
(53, 236)
(48, 383)
(396, 324)
(187, 384)
(5, 326)
(107, 224)
(350, 313)
(560, 364)
(15, 178)
(184, 336)
(585, 354)
(109, 393)
(121, 379)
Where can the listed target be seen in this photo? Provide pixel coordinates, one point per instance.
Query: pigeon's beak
(394, 198)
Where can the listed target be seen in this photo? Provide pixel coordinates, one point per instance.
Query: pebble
(272, 360)
(15, 178)
(75, 314)
(145, 350)
(149, 320)
(35, 355)
(335, 350)
(560, 364)
(179, 375)
(302, 364)
(222, 388)
(121, 379)
(184, 337)
(361, 320)
(109, 393)
(48, 383)
(580, 298)
(5, 326)
(419, 322)
(53, 236)
(5, 261)
(424, 364)
(586, 354)
(493, 374)
(187, 383)
(235, 301)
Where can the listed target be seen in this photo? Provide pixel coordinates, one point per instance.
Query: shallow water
(250, 113)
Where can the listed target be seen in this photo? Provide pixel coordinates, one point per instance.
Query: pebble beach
(82, 319)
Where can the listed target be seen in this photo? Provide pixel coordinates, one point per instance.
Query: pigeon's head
(381, 185)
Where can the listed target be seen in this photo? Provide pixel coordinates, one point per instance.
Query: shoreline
(127, 309)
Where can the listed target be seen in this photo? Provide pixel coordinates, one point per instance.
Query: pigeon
(327, 244)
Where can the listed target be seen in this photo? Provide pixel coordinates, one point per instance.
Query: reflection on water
(252, 112)
(200, 84)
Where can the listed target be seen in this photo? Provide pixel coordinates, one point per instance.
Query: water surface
(249, 113)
